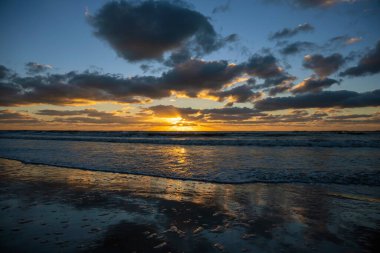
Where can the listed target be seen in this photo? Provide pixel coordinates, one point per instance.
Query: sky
(216, 65)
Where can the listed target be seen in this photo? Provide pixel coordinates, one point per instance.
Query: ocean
(220, 157)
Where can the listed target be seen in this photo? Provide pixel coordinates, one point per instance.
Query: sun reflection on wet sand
(248, 214)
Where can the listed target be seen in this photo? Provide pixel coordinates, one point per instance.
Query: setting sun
(174, 121)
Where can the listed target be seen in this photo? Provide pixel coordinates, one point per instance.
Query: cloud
(338, 42)
(4, 72)
(295, 116)
(323, 66)
(266, 67)
(283, 79)
(170, 111)
(222, 7)
(280, 89)
(205, 115)
(369, 64)
(238, 94)
(78, 88)
(313, 85)
(218, 80)
(251, 116)
(148, 29)
(332, 44)
(90, 116)
(350, 116)
(230, 114)
(320, 3)
(194, 76)
(297, 47)
(324, 99)
(145, 67)
(352, 40)
(177, 57)
(13, 117)
(36, 68)
(290, 32)
(88, 112)
(354, 119)
(189, 78)
(263, 66)
(344, 40)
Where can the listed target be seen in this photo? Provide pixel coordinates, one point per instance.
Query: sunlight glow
(174, 121)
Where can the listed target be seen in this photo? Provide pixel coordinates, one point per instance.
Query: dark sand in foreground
(52, 209)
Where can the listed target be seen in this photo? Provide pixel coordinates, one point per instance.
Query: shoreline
(187, 179)
(69, 210)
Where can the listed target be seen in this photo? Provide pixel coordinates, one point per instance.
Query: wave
(310, 142)
(368, 179)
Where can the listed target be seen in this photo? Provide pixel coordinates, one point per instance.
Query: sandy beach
(54, 209)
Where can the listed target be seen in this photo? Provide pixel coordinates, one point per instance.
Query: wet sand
(53, 209)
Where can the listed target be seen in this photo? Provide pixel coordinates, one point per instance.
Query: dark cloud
(36, 68)
(239, 94)
(354, 119)
(13, 117)
(189, 78)
(90, 116)
(351, 116)
(4, 72)
(230, 114)
(194, 76)
(146, 30)
(313, 85)
(206, 115)
(297, 47)
(78, 88)
(295, 116)
(88, 112)
(263, 66)
(323, 66)
(289, 32)
(324, 99)
(48, 112)
(332, 44)
(283, 79)
(369, 64)
(267, 68)
(280, 89)
(145, 67)
(177, 57)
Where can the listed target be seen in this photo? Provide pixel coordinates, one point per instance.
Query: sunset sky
(190, 65)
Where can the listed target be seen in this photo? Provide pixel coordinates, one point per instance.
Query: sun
(179, 124)
(174, 121)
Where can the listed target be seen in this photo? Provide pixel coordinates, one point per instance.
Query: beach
(178, 126)
(48, 208)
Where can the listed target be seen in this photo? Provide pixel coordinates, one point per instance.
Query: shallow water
(271, 157)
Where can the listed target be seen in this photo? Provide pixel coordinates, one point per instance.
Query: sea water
(221, 157)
